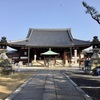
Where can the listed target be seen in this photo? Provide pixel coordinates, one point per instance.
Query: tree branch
(92, 11)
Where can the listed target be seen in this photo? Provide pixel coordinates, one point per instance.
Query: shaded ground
(48, 84)
(90, 84)
(9, 83)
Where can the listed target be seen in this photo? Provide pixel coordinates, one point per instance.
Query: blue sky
(17, 16)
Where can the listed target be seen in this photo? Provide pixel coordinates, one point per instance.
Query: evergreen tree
(92, 11)
(3, 40)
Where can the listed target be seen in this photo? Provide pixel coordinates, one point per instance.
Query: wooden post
(70, 54)
(28, 55)
(19, 55)
(44, 61)
(54, 60)
(64, 57)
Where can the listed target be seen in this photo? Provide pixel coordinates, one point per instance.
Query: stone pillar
(35, 56)
(75, 56)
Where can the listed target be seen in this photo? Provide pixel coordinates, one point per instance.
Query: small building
(40, 40)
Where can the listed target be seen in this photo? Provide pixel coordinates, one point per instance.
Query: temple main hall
(38, 41)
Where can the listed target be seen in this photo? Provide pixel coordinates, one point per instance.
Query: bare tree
(92, 11)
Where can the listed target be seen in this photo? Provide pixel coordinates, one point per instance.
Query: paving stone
(49, 85)
(49, 96)
(25, 99)
(49, 89)
(37, 81)
(69, 97)
(67, 91)
(63, 85)
(28, 96)
(49, 82)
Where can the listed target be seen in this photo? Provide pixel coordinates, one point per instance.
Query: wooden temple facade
(40, 40)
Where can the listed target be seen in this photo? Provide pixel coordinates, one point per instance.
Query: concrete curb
(87, 97)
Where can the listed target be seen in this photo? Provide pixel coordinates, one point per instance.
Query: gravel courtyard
(90, 84)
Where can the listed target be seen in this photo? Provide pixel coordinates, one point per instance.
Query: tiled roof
(81, 42)
(49, 38)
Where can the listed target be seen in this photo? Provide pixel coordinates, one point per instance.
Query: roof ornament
(49, 53)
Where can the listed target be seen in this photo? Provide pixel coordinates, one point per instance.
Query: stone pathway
(49, 85)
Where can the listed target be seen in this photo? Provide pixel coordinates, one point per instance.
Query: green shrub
(5, 66)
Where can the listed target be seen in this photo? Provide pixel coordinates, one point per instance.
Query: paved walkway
(49, 85)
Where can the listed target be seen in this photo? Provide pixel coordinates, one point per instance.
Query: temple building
(41, 40)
